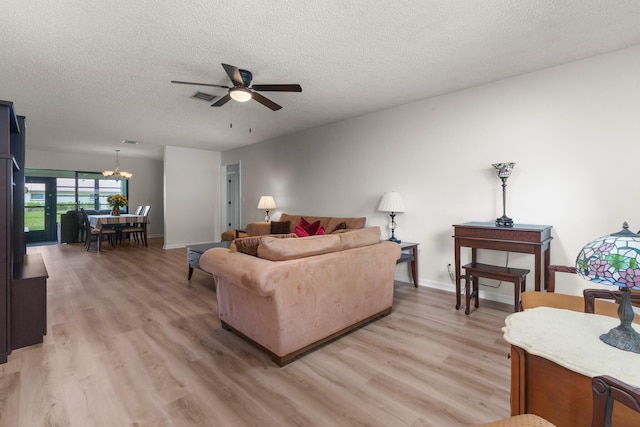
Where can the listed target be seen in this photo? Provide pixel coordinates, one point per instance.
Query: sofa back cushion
(357, 238)
(275, 249)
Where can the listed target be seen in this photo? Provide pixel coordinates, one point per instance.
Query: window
(75, 189)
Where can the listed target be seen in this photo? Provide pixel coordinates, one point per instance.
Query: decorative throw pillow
(341, 226)
(305, 229)
(248, 245)
(280, 227)
(303, 222)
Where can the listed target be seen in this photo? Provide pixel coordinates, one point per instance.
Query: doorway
(40, 209)
(231, 197)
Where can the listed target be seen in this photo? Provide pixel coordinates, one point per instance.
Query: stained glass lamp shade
(615, 260)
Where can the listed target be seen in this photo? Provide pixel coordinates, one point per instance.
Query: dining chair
(605, 390)
(137, 230)
(599, 301)
(97, 232)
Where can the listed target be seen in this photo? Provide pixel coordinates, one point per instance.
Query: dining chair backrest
(87, 223)
(145, 210)
(605, 391)
(139, 210)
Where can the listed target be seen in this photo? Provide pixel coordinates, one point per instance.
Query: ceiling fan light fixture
(240, 94)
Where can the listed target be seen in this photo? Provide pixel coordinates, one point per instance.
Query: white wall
(192, 196)
(145, 187)
(573, 131)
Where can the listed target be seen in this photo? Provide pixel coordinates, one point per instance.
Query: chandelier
(117, 173)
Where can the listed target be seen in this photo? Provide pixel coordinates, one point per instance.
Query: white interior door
(233, 197)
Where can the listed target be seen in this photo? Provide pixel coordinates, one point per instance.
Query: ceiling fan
(242, 92)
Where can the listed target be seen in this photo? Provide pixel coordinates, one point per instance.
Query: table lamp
(267, 203)
(392, 202)
(504, 171)
(615, 260)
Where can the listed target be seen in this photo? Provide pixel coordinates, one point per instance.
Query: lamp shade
(267, 202)
(612, 260)
(240, 94)
(391, 202)
(504, 169)
(615, 260)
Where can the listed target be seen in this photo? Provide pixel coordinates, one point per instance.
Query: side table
(410, 254)
(194, 252)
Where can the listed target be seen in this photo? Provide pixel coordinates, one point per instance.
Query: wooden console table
(552, 367)
(522, 238)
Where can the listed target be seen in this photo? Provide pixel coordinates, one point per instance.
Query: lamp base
(623, 338)
(393, 239)
(504, 221)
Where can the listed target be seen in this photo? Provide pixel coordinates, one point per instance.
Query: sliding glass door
(52, 193)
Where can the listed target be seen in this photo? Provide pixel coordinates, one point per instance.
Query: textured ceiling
(89, 74)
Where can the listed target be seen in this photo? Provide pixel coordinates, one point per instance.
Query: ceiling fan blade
(234, 74)
(265, 101)
(220, 102)
(277, 88)
(198, 84)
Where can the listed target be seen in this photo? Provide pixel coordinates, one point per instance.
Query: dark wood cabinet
(29, 302)
(22, 278)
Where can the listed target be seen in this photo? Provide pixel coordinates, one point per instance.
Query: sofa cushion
(280, 227)
(341, 226)
(357, 238)
(274, 249)
(249, 245)
(333, 223)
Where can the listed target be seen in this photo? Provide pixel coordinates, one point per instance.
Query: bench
(476, 270)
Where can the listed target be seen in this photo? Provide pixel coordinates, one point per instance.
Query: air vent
(128, 141)
(203, 96)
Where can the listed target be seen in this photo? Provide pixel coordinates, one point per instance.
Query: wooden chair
(98, 233)
(605, 391)
(136, 230)
(591, 301)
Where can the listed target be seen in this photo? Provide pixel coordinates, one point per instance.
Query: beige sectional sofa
(301, 292)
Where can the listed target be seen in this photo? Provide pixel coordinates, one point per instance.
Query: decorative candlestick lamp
(504, 171)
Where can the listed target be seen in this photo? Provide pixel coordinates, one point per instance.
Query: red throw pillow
(300, 232)
(305, 229)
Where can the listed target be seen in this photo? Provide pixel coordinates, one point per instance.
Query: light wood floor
(131, 342)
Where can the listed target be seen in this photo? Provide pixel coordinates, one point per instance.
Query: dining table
(98, 221)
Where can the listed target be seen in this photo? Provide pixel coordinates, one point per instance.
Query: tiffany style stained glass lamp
(615, 260)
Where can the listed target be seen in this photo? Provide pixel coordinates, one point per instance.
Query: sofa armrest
(258, 228)
(244, 270)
